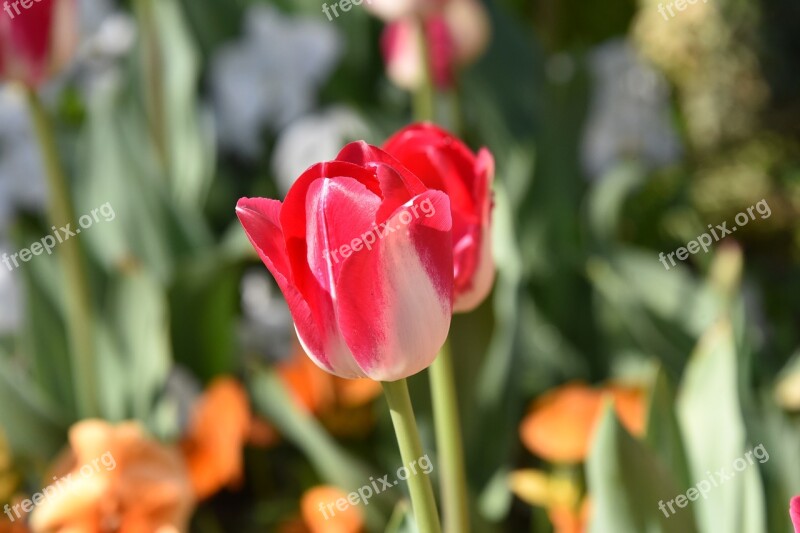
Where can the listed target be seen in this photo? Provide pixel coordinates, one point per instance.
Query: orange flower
(140, 486)
(220, 426)
(560, 424)
(321, 518)
(567, 520)
(341, 404)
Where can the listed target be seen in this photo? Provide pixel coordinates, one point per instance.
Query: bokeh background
(618, 135)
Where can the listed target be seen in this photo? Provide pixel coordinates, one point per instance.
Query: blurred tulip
(794, 513)
(148, 488)
(390, 10)
(322, 519)
(443, 162)
(456, 36)
(35, 43)
(367, 276)
(560, 425)
(220, 426)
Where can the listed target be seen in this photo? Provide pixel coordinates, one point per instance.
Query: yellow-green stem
(70, 255)
(425, 95)
(452, 476)
(423, 501)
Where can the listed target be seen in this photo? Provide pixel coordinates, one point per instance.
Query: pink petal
(794, 513)
(398, 310)
(338, 212)
(363, 154)
(260, 219)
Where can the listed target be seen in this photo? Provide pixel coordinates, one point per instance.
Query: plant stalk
(449, 442)
(70, 255)
(423, 501)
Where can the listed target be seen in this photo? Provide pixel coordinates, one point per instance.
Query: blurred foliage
(580, 291)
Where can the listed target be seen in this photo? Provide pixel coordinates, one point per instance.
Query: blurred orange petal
(118, 478)
(560, 424)
(310, 386)
(356, 392)
(568, 520)
(320, 518)
(220, 427)
(629, 403)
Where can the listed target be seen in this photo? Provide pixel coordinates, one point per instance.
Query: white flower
(271, 75)
(312, 139)
(629, 112)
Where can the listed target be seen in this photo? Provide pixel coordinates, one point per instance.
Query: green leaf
(191, 152)
(663, 432)
(710, 415)
(141, 322)
(27, 416)
(627, 482)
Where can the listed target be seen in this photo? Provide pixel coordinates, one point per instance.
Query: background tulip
(443, 162)
(456, 35)
(36, 42)
(362, 252)
(390, 10)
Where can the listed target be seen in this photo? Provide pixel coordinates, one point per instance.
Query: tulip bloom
(457, 34)
(362, 252)
(390, 10)
(35, 42)
(443, 162)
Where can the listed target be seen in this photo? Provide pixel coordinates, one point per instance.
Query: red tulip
(794, 513)
(443, 162)
(457, 33)
(362, 252)
(37, 37)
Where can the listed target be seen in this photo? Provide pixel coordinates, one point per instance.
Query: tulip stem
(78, 296)
(425, 95)
(450, 447)
(423, 501)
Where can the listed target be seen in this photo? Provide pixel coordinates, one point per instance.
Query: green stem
(425, 95)
(78, 296)
(423, 501)
(450, 447)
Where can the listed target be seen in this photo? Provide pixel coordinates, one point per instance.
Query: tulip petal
(794, 513)
(260, 219)
(365, 155)
(338, 212)
(399, 305)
